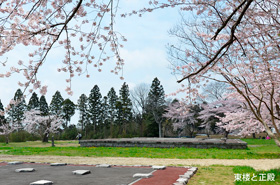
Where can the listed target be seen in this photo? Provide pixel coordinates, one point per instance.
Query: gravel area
(258, 164)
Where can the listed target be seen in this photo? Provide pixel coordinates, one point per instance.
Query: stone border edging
(185, 178)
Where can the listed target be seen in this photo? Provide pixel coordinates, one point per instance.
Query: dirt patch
(258, 164)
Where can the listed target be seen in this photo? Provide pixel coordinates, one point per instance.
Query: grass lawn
(218, 175)
(225, 175)
(257, 149)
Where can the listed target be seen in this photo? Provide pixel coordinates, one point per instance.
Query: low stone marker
(158, 167)
(193, 169)
(186, 176)
(178, 183)
(15, 162)
(42, 182)
(25, 170)
(58, 164)
(182, 180)
(142, 175)
(103, 166)
(81, 172)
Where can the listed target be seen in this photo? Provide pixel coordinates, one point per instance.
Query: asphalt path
(63, 175)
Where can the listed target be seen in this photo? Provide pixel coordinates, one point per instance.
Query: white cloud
(144, 59)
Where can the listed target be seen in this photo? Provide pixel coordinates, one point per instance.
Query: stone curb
(58, 164)
(183, 179)
(25, 170)
(42, 182)
(103, 166)
(15, 162)
(142, 175)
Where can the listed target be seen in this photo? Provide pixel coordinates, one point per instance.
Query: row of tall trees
(131, 113)
(58, 106)
(126, 114)
(143, 111)
(36, 116)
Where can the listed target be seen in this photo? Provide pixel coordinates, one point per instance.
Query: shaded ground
(258, 164)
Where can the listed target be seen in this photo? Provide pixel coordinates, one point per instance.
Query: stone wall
(166, 143)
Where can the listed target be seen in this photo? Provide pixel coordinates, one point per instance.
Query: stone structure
(15, 163)
(142, 175)
(166, 143)
(25, 170)
(42, 182)
(81, 172)
(58, 164)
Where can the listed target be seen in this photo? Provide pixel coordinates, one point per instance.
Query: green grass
(215, 174)
(225, 175)
(257, 149)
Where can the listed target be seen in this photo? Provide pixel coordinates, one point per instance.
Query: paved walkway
(258, 164)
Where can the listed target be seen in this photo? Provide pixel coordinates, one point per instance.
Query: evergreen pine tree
(124, 107)
(56, 104)
(82, 106)
(68, 110)
(16, 112)
(94, 107)
(105, 116)
(112, 99)
(44, 108)
(33, 102)
(156, 103)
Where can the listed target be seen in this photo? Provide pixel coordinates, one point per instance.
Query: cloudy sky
(144, 53)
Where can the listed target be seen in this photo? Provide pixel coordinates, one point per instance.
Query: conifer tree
(112, 99)
(56, 104)
(17, 109)
(68, 110)
(124, 107)
(104, 123)
(82, 106)
(94, 107)
(156, 103)
(44, 108)
(33, 102)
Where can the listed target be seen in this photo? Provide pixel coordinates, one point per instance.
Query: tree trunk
(45, 138)
(142, 128)
(53, 141)
(159, 130)
(271, 135)
(7, 139)
(226, 134)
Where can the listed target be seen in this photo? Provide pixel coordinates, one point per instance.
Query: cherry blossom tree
(44, 25)
(6, 128)
(184, 117)
(237, 40)
(42, 125)
(213, 113)
(243, 54)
